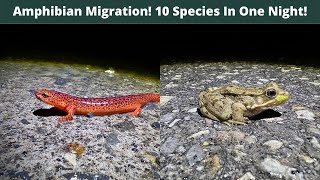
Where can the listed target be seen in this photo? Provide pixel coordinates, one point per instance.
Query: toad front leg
(237, 114)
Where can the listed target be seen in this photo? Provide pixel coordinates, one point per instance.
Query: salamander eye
(271, 93)
(44, 95)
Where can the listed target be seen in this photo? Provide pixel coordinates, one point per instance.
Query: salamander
(96, 106)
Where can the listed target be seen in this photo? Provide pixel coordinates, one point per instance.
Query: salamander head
(54, 98)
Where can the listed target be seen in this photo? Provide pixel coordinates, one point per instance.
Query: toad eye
(271, 93)
(44, 95)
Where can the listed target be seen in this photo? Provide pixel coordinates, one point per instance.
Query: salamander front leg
(136, 112)
(70, 110)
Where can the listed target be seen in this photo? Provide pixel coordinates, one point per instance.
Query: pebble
(165, 99)
(60, 81)
(247, 176)
(264, 80)
(251, 139)
(312, 151)
(177, 77)
(205, 143)
(216, 126)
(187, 118)
(167, 117)
(307, 159)
(305, 114)
(273, 144)
(220, 77)
(169, 145)
(315, 142)
(275, 168)
(151, 158)
(24, 121)
(71, 158)
(200, 168)
(195, 154)
(315, 83)
(314, 130)
(125, 126)
(134, 149)
(200, 133)
(109, 71)
(181, 149)
(300, 140)
(171, 85)
(155, 125)
(193, 110)
(174, 122)
(295, 68)
(213, 164)
(227, 136)
(238, 154)
(285, 70)
(275, 119)
(32, 91)
(239, 147)
(296, 108)
(112, 139)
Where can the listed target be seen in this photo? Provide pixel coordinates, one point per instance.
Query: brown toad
(234, 104)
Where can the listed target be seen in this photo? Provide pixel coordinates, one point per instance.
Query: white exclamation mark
(149, 10)
(305, 10)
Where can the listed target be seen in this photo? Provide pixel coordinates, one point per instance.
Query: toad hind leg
(71, 111)
(220, 109)
(205, 112)
(228, 122)
(136, 112)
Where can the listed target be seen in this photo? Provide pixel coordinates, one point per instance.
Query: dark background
(143, 47)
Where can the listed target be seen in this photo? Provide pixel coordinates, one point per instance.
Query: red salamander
(97, 106)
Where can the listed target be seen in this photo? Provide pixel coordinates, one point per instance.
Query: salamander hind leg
(136, 112)
(70, 110)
